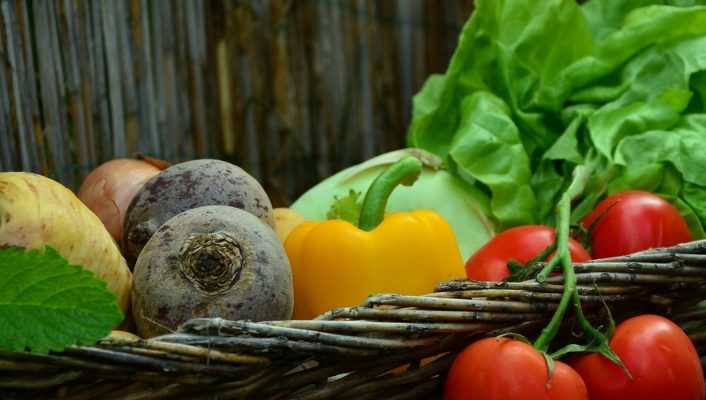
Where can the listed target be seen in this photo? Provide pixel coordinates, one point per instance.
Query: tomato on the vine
(502, 368)
(522, 244)
(631, 221)
(660, 357)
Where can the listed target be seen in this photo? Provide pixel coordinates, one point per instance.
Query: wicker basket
(391, 347)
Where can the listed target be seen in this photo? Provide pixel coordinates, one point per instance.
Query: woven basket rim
(349, 352)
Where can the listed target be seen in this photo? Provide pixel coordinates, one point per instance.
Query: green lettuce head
(536, 88)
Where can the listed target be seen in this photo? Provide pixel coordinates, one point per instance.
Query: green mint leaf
(346, 208)
(47, 304)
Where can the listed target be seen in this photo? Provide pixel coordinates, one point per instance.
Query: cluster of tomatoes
(660, 358)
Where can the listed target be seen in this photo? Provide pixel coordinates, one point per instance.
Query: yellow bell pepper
(336, 264)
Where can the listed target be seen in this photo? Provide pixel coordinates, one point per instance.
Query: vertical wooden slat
(323, 99)
(405, 50)
(351, 122)
(333, 82)
(218, 24)
(50, 89)
(237, 26)
(7, 140)
(99, 93)
(197, 57)
(316, 165)
(163, 22)
(344, 81)
(233, 42)
(122, 25)
(109, 11)
(261, 41)
(14, 59)
(72, 74)
(181, 76)
(249, 111)
(306, 127)
(64, 162)
(251, 74)
(314, 108)
(7, 159)
(287, 140)
(387, 72)
(55, 45)
(366, 131)
(216, 63)
(419, 64)
(207, 74)
(85, 65)
(164, 126)
(434, 31)
(33, 116)
(144, 75)
(204, 71)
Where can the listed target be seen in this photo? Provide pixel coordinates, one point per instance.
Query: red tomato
(521, 244)
(495, 369)
(634, 221)
(658, 354)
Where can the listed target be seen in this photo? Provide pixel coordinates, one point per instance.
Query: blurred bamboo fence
(291, 90)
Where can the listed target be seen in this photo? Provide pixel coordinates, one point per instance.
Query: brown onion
(109, 188)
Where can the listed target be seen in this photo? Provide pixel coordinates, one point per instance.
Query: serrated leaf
(47, 304)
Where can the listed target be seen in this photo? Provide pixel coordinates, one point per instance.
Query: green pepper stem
(403, 172)
(562, 256)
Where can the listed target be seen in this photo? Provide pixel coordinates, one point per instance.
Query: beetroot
(185, 186)
(213, 261)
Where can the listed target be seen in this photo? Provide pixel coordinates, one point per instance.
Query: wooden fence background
(291, 90)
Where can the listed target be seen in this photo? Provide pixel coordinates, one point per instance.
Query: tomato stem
(582, 173)
(542, 276)
(403, 172)
(521, 272)
(544, 254)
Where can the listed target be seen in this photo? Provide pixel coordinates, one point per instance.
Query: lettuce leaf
(533, 88)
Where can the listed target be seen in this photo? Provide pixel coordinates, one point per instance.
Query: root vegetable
(185, 186)
(213, 261)
(109, 189)
(36, 211)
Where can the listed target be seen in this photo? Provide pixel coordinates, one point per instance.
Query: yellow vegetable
(36, 211)
(337, 264)
(286, 220)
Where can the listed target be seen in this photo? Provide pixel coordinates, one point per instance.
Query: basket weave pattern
(392, 346)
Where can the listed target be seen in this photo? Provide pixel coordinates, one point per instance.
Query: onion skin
(108, 190)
